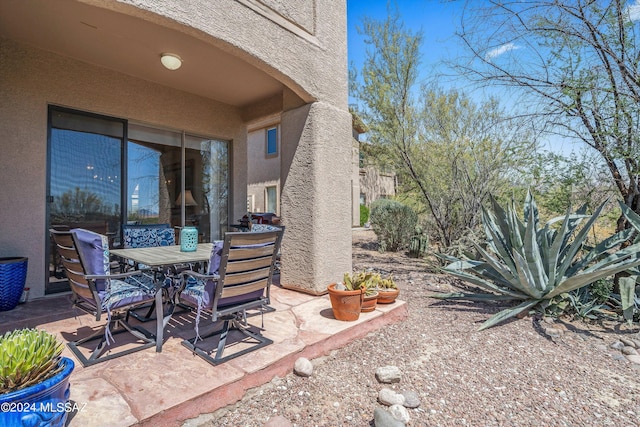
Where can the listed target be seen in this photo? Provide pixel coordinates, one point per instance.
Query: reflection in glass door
(171, 178)
(85, 170)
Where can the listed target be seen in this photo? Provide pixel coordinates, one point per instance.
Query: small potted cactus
(367, 281)
(387, 290)
(34, 379)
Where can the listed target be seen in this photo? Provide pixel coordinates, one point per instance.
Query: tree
(450, 153)
(577, 65)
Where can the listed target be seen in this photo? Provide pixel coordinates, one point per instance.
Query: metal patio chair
(85, 256)
(240, 276)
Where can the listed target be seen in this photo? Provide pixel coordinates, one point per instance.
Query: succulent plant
(27, 357)
(368, 280)
(533, 264)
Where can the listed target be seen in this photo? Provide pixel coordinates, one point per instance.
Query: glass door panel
(85, 169)
(207, 182)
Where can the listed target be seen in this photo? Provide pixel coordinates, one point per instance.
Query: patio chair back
(148, 235)
(84, 292)
(240, 276)
(85, 257)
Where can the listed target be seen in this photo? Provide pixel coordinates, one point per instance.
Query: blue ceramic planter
(13, 274)
(44, 404)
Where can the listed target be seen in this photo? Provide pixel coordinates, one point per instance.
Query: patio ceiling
(133, 46)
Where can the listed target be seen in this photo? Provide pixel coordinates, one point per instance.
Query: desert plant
(531, 264)
(584, 304)
(367, 280)
(364, 215)
(393, 223)
(419, 243)
(27, 357)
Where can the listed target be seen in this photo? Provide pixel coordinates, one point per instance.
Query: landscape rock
(278, 421)
(628, 350)
(383, 418)
(617, 345)
(388, 374)
(634, 358)
(411, 399)
(388, 397)
(628, 343)
(303, 367)
(400, 413)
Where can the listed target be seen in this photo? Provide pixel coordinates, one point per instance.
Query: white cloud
(493, 53)
(634, 11)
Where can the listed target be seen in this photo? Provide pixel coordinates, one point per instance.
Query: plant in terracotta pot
(367, 281)
(346, 298)
(387, 290)
(34, 379)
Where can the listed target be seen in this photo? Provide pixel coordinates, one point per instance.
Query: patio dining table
(162, 258)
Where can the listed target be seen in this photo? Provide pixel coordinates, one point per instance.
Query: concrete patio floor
(165, 389)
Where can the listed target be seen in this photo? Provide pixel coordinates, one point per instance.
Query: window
(272, 142)
(271, 199)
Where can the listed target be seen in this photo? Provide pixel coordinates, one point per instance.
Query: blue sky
(438, 20)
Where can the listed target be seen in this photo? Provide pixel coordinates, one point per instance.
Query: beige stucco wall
(323, 215)
(375, 184)
(309, 54)
(262, 171)
(30, 79)
(304, 48)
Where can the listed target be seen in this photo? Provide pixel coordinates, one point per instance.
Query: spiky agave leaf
(508, 313)
(27, 357)
(535, 264)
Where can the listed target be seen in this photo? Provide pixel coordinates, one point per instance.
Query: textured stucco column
(316, 196)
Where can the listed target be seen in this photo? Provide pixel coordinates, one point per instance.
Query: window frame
(273, 154)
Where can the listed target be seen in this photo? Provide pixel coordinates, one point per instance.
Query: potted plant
(34, 379)
(346, 298)
(387, 290)
(367, 281)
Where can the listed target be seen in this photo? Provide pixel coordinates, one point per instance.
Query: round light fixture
(171, 61)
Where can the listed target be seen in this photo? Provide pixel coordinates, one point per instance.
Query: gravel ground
(510, 375)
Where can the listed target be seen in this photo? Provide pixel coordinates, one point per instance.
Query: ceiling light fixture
(171, 61)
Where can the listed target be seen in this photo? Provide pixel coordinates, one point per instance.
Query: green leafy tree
(449, 152)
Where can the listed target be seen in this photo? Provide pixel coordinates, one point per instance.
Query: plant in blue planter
(34, 379)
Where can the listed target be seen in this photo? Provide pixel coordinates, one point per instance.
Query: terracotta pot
(346, 305)
(387, 296)
(369, 303)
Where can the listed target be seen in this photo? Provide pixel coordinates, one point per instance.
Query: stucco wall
(305, 49)
(262, 171)
(30, 79)
(375, 184)
(311, 60)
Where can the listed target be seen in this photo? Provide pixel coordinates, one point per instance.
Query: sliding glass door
(105, 172)
(85, 178)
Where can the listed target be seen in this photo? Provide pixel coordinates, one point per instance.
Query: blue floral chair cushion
(260, 228)
(119, 291)
(148, 236)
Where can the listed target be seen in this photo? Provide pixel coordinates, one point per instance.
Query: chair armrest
(113, 276)
(200, 275)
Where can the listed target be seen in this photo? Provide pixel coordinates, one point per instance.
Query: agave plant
(27, 357)
(532, 264)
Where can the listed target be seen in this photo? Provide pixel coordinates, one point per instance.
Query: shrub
(393, 223)
(364, 215)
